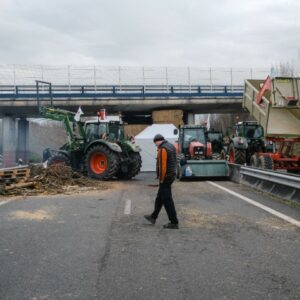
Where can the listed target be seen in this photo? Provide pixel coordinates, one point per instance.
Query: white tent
(145, 140)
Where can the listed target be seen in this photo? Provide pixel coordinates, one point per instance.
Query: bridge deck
(25, 99)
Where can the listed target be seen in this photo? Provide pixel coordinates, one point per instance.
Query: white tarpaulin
(145, 140)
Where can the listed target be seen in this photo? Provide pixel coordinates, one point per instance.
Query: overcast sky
(223, 33)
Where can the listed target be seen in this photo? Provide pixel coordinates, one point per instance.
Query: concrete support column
(23, 129)
(191, 119)
(9, 141)
(1, 138)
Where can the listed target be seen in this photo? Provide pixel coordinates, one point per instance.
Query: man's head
(158, 139)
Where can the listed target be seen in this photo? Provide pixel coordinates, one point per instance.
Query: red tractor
(194, 153)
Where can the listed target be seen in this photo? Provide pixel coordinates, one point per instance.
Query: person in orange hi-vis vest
(166, 173)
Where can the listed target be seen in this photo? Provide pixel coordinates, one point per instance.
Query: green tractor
(249, 139)
(98, 148)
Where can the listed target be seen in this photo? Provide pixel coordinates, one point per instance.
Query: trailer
(275, 104)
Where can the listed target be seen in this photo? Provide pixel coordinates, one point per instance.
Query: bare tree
(283, 69)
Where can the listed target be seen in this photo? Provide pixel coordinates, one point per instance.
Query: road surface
(97, 245)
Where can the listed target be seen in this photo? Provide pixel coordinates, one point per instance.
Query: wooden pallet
(14, 174)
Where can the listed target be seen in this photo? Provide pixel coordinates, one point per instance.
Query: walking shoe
(171, 226)
(149, 219)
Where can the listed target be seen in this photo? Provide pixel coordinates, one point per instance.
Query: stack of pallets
(14, 177)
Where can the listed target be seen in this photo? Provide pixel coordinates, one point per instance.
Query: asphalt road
(96, 245)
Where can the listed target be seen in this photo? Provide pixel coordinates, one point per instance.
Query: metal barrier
(85, 91)
(286, 186)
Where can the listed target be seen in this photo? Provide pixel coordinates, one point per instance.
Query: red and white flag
(78, 114)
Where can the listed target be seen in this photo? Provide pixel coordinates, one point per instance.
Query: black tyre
(101, 163)
(59, 159)
(216, 156)
(219, 156)
(265, 162)
(134, 166)
(237, 156)
(254, 160)
(223, 155)
(179, 172)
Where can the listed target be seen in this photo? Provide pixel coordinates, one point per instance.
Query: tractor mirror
(175, 131)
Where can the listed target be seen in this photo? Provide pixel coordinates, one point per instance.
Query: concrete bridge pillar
(9, 141)
(191, 119)
(22, 149)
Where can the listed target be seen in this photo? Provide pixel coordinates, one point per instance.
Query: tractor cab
(111, 131)
(195, 157)
(249, 130)
(193, 142)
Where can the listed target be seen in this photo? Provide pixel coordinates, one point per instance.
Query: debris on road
(54, 179)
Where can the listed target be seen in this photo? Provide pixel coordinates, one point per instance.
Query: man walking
(166, 173)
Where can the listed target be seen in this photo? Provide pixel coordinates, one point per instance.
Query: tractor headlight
(198, 150)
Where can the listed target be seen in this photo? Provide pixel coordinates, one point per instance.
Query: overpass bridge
(135, 91)
(23, 101)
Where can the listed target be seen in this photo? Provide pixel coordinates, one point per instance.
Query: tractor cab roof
(247, 123)
(108, 119)
(193, 127)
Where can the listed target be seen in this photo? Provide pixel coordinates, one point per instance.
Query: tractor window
(250, 133)
(239, 131)
(116, 131)
(253, 132)
(95, 130)
(194, 134)
(259, 132)
(215, 136)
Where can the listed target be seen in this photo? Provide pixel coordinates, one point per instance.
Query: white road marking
(265, 208)
(3, 202)
(127, 209)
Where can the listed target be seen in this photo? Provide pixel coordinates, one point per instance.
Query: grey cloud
(135, 32)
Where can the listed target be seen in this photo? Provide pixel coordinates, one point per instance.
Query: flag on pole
(78, 114)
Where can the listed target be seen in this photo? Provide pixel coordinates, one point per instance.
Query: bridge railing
(127, 75)
(62, 91)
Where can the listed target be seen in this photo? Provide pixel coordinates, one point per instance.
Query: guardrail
(289, 180)
(286, 186)
(115, 91)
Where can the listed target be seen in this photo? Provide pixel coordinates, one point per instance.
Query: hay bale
(171, 116)
(133, 130)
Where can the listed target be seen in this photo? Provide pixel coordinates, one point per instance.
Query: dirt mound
(54, 179)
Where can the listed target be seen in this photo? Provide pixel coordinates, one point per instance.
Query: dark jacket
(166, 162)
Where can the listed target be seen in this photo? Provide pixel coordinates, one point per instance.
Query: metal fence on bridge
(121, 76)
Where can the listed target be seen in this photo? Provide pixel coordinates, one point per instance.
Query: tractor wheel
(59, 159)
(216, 156)
(219, 156)
(223, 155)
(265, 162)
(179, 175)
(101, 162)
(178, 171)
(237, 156)
(254, 160)
(134, 166)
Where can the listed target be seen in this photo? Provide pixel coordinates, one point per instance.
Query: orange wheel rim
(98, 163)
